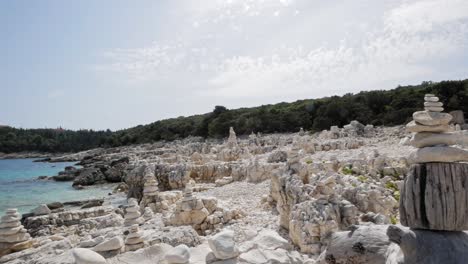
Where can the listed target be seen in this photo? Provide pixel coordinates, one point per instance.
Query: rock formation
(434, 136)
(151, 197)
(134, 240)
(13, 236)
(232, 140)
(132, 213)
(203, 215)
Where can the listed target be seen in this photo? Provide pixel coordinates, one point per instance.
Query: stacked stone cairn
(151, 197)
(132, 214)
(232, 140)
(134, 240)
(189, 211)
(435, 193)
(13, 236)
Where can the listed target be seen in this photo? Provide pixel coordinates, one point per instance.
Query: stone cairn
(435, 193)
(134, 240)
(13, 236)
(151, 197)
(132, 214)
(188, 211)
(232, 140)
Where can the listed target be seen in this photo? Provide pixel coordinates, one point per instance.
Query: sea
(20, 188)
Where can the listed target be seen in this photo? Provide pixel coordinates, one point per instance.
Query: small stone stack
(132, 214)
(232, 140)
(433, 136)
(134, 240)
(189, 211)
(13, 236)
(151, 197)
(435, 193)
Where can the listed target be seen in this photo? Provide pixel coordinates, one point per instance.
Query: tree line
(380, 107)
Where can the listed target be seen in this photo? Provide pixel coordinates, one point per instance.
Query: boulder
(41, 210)
(363, 244)
(429, 247)
(87, 256)
(178, 255)
(223, 245)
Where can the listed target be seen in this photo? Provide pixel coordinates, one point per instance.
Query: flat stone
(10, 224)
(427, 139)
(433, 109)
(132, 209)
(223, 245)
(438, 154)
(132, 215)
(433, 104)
(134, 247)
(136, 221)
(111, 244)
(10, 218)
(87, 256)
(10, 231)
(136, 234)
(18, 237)
(429, 95)
(431, 118)
(178, 255)
(431, 99)
(133, 240)
(415, 127)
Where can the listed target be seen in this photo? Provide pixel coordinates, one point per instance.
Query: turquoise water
(19, 187)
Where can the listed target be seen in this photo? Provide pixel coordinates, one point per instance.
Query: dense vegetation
(391, 107)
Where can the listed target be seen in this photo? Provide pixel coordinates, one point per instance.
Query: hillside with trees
(380, 107)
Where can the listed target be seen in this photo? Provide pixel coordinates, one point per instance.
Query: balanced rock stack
(232, 140)
(134, 240)
(13, 236)
(132, 214)
(189, 211)
(435, 193)
(151, 195)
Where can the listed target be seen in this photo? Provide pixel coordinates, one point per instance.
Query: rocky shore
(337, 196)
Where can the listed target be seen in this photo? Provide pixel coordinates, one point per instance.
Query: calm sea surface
(19, 187)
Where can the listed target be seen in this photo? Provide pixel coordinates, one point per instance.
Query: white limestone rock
(41, 210)
(415, 127)
(115, 243)
(87, 256)
(223, 245)
(438, 154)
(431, 118)
(426, 139)
(178, 255)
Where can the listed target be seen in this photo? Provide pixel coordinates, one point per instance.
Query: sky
(116, 64)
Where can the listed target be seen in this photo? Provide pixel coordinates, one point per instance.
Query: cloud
(262, 49)
(54, 94)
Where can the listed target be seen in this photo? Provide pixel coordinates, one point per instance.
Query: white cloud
(294, 49)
